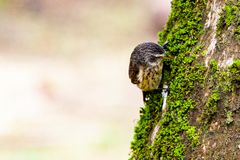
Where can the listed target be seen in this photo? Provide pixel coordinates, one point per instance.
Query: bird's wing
(133, 72)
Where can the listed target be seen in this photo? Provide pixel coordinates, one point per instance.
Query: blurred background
(64, 87)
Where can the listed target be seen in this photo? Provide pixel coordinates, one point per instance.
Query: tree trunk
(202, 119)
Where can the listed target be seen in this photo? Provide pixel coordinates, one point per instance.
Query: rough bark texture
(202, 119)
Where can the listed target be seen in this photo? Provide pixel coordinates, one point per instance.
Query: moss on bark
(197, 93)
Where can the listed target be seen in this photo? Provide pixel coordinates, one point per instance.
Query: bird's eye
(152, 59)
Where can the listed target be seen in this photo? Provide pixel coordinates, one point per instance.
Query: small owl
(146, 65)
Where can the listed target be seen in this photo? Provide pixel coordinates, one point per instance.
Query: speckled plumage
(146, 64)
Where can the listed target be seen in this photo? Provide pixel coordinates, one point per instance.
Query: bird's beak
(162, 56)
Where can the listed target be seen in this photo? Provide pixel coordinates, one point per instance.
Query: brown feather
(133, 73)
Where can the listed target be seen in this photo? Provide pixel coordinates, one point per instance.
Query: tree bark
(202, 119)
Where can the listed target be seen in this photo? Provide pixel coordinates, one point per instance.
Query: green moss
(220, 82)
(214, 85)
(229, 118)
(230, 17)
(140, 146)
(237, 32)
(214, 67)
(186, 76)
(169, 142)
(234, 75)
(183, 30)
(210, 108)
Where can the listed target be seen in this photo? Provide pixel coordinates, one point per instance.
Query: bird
(146, 66)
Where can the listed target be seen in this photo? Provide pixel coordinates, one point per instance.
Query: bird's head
(150, 48)
(149, 52)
